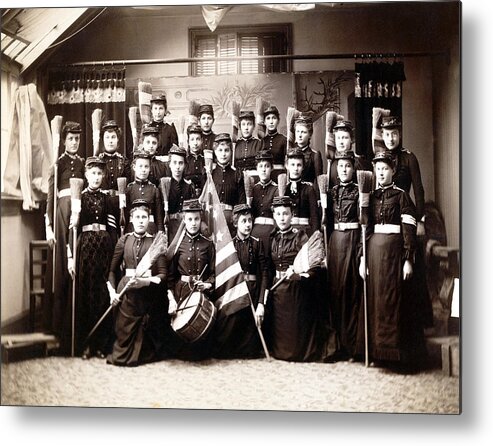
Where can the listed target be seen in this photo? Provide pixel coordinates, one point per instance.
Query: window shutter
(249, 46)
(205, 47)
(227, 48)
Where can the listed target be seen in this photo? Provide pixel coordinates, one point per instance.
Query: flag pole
(261, 335)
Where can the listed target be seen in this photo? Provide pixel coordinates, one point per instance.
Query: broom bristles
(193, 108)
(282, 183)
(311, 254)
(56, 129)
(248, 180)
(96, 118)
(164, 184)
(122, 184)
(158, 248)
(76, 185)
(323, 183)
(365, 183)
(132, 117)
(145, 96)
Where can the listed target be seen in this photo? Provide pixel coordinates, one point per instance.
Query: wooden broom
(208, 160)
(311, 255)
(248, 181)
(56, 129)
(376, 134)
(145, 96)
(76, 185)
(165, 185)
(282, 183)
(132, 117)
(181, 130)
(260, 106)
(235, 121)
(122, 197)
(97, 118)
(291, 115)
(365, 182)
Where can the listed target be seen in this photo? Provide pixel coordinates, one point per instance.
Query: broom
(291, 115)
(330, 143)
(145, 96)
(282, 183)
(96, 117)
(235, 116)
(208, 160)
(365, 181)
(181, 130)
(158, 248)
(260, 106)
(248, 181)
(311, 255)
(122, 186)
(323, 186)
(76, 185)
(132, 117)
(164, 185)
(376, 133)
(56, 128)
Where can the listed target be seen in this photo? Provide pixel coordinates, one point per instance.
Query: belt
(130, 272)
(226, 207)
(250, 277)
(64, 193)
(346, 226)
(188, 279)
(387, 229)
(280, 274)
(300, 221)
(175, 216)
(264, 221)
(278, 166)
(94, 227)
(112, 192)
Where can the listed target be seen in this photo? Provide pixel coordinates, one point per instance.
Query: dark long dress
(150, 192)
(141, 319)
(277, 144)
(395, 329)
(94, 253)
(263, 220)
(293, 305)
(236, 336)
(59, 318)
(345, 284)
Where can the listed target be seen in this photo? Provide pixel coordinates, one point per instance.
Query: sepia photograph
(247, 207)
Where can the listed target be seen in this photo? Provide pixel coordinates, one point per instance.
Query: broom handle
(74, 255)
(281, 280)
(365, 295)
(262, 340)
(55, 200)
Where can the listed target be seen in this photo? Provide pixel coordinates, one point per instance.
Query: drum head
(186, 311)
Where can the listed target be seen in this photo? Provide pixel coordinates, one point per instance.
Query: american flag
(231, 289)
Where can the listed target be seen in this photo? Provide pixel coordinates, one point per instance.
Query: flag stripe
(228, 273)
(225, 252)
(232, 294)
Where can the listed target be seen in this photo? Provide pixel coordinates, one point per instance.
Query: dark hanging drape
(377, 84)
(75, 93)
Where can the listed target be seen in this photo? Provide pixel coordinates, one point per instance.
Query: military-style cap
(282, 201)
(206, 108)
(95, 161)
(159, 98)
(222, 137)
(142, 154)
(384, 156)
(194, 128)
(295, 152)
(140, 202)
(271, 110)
(246, 114)
(344, 155)
(150, 130)
(391, 122)
(192, 205)
(110, 124)
(242, 209)
(72, 127)
(347, 126)
(175, 150)
(264, 155)
(304, 120)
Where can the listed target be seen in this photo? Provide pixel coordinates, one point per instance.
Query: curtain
(377, 84)
(29, 154)
(76, 93)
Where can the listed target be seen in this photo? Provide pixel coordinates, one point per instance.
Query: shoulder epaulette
(397, 188)
(295, 230)
(254, 238)
(131, 183)
(406, 151)
(186, 180)
(206, 238)
(274, 183)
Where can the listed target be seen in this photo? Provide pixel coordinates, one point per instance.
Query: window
(235, 42)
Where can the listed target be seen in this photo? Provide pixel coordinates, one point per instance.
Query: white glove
(71, 267)
(50, 236)
(259, 314)
(172, 307)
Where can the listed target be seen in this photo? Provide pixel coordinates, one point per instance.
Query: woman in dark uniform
(69, 165)
(274, 141)
(293, 305)
(396, 338)
(235, 335)
(342, 261)
(141, 318)
(94, 253)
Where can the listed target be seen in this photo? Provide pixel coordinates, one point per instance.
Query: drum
(194, 317)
